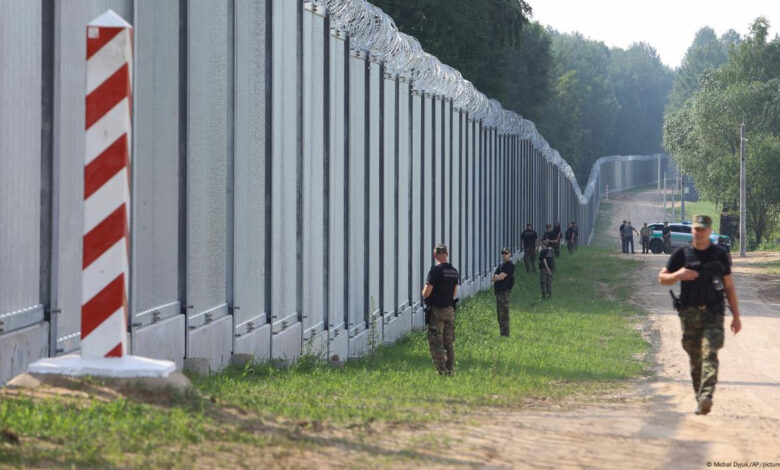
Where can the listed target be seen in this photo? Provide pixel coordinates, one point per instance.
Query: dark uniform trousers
(645, 244)
(545, 279)
(502, 308)
(702, 330)
(441, 339)
(529, 256)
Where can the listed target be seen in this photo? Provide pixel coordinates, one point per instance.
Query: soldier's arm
(731, 295)
(546, 267)
(499, 277)
(427, 291)
(455, 292)
(667, 278)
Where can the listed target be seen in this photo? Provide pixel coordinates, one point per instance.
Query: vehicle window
(681, 229)
(656, 226)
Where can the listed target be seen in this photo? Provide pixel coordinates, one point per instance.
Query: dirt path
(649, 424)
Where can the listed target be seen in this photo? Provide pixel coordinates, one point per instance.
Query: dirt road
(650, 424)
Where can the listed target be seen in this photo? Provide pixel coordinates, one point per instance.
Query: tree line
(587, 100)
(722, 83)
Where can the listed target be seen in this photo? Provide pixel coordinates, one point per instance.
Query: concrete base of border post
(74, 365)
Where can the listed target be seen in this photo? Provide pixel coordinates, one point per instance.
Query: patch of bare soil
(163, 392)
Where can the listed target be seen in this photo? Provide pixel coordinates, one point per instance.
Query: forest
(590, 100)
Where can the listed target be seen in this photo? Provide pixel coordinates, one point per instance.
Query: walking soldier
(704, 271)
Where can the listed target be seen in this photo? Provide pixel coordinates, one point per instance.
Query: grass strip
(581, 341)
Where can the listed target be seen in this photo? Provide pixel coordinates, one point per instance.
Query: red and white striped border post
(109, 94)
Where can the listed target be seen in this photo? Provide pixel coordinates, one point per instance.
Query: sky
(667, 25)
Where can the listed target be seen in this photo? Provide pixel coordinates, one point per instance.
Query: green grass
(578, 341)
(700, 207)
(582, 341)
(771, 267)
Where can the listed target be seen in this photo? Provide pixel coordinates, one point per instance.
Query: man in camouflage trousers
(504, 280)
(704, 271)
(441, 287)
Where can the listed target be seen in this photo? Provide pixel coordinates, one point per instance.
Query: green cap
(441, 250)
(703, 221)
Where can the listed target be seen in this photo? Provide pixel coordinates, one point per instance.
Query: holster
(428, 311)
(676, 302)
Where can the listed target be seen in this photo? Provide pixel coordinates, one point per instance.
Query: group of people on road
(627, 231)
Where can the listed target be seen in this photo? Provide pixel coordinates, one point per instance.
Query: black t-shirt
(666, 231)
(443, 277)
(556, 233)
(569, 232)
(622, 226)
(545, 255)
(697, 292)
(575, 231)
(529, 239)
(509, 281)
(549, 235)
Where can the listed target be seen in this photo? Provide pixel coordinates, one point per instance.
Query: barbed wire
(374, 32)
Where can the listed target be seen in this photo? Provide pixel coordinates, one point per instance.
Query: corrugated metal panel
(404, 273)
(376, 231)
(155, 236)
(207, 160)
(250, 160)
(416, 198)
(337, 194)
(357, 191)
(390, 225)
(20, 161)
(456, 211)
(436, 176)
(71, 19)
(428, 186)
(315, 87)
(285, 128)
(446, 176)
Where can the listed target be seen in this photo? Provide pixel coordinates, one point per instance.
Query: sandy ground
(649, 424)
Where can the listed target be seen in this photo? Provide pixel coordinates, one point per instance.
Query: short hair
(441, 250)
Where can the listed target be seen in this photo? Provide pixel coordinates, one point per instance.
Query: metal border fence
(294, 165)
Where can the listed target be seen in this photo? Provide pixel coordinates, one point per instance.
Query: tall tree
(642, 84)
(598, 105)
(703, 135)
(471, 35)
(529, 73)
(705, 54)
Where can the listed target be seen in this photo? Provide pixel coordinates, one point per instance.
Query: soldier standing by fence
(530, 241)
(570, 244)
(546, 269)
(504, 279)
(441, 287)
